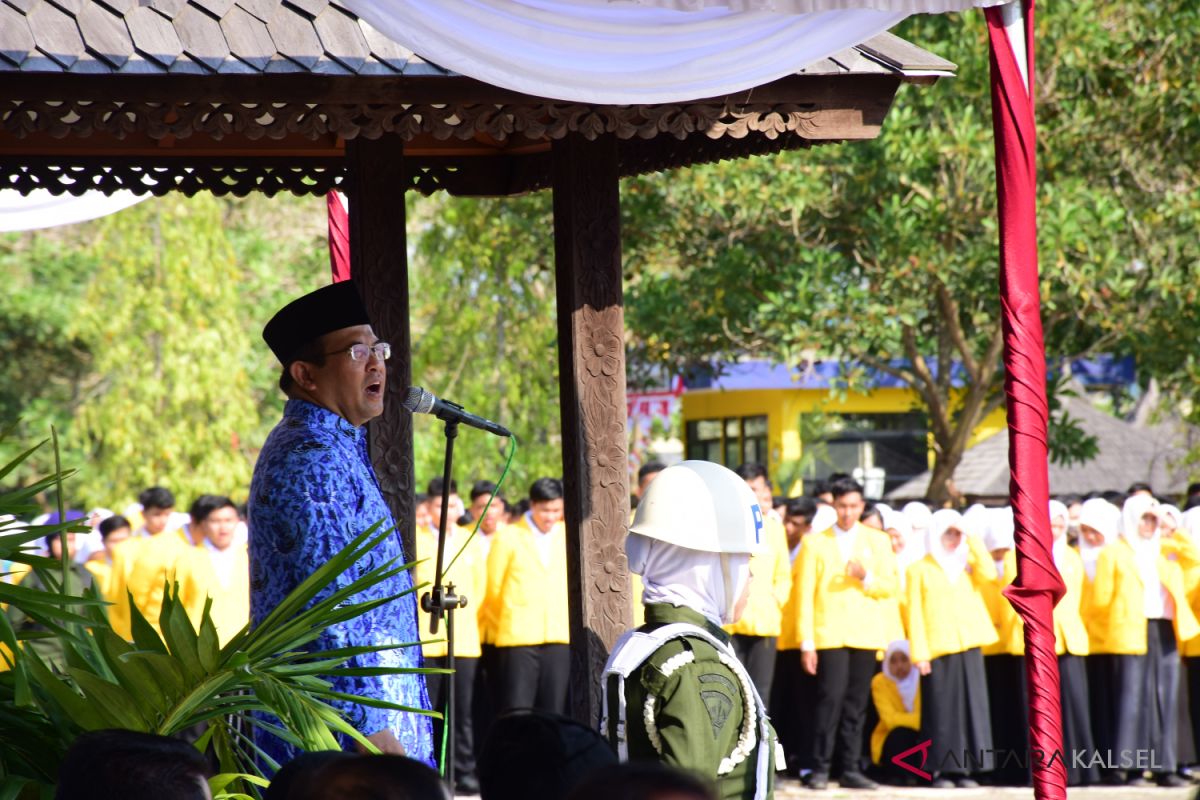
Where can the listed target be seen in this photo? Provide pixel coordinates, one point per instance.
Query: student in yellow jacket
(525, 608)
(222, 568)
(1071, 643)
(113, 531)
(1098, 523)
(468, 573)
(847, 575)
(948, 624)
(896, 692)
(141, 567)
(1138, 597)
(754, 635)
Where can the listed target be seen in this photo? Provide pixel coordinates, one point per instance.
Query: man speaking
(314, 490)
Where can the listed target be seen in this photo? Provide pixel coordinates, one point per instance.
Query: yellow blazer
(141, 567)
(1116, 605)
(101, 570)
(892, 713)
(789, 634)
(945, 617)
(230, 601)
(770, 586)
(469, 576)
(1180, 547)
(525, 602)
(1070, 634)
(835, 610)
(1010, 628)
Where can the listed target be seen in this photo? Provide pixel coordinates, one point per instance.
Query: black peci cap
(328, 309)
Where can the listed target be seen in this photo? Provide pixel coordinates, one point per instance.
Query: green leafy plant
(182, 678)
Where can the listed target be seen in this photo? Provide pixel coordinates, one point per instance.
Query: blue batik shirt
(313, 491)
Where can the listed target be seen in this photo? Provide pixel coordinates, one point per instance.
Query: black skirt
(1009, 707)
(1076, 720)
(955, 715)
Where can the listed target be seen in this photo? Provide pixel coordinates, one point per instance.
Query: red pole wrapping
(339, 237)
(1038, 586)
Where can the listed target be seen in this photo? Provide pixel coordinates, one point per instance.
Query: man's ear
(301, 372)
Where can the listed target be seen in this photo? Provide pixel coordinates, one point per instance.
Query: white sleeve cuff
(808, 646)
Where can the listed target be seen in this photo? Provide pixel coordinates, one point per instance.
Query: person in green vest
(50, 649)
(674, 691)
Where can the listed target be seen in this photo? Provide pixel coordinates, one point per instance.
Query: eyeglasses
(362, 352)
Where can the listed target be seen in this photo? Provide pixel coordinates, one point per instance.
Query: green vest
(696, 717)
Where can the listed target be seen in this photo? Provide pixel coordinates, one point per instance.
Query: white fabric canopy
(627, 53)
(40, 209)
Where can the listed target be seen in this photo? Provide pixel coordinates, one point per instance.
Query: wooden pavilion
(240, 96)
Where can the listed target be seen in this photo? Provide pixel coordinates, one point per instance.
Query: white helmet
(702, 506)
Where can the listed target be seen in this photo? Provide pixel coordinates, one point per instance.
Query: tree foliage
(885, 251)
(173, 406)
(484, 332)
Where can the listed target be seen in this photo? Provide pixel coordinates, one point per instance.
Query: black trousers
(533, 676)
(464, 710)
(757, 654)
(843, 692)
(794, 696)
(955, 715)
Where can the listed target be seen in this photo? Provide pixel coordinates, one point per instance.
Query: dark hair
(838, 476)
(420, 498)
(206, 504)
(751, 470)
(128, 765)
(1192, 501)
(1114, 497)
(870, 510)
(1139, 486)
(376, 777)
(437, 487)
(110, 524)
(312, 351)
(650, 468)
(844, 486)
(819, 488)
(565, 752)
(804, 507)
(1070, 499)
(1193, 488)
(296, 776)
(517, 509)
(545, 489)
(481, 488)
(645, 780)
(156, 497)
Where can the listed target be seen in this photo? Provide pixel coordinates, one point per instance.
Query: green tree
(484, 332)
(173, 404)
(884, 253)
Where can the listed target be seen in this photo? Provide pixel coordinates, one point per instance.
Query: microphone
(419, 401)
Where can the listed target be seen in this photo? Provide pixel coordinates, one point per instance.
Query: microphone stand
(442, 601)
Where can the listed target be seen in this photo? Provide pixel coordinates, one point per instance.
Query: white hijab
(913, 547)
(913, 525)
(1059, 509)
(709, 583)
(824, 519)
(1175, 514)
(1102, 516)
(1145, 550)
(908, 686)
(952, 562)
(1191, 521)
(1000, 533)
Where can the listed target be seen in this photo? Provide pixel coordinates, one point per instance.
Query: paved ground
(792, 790)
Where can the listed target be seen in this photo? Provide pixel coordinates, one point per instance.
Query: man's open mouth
(375, 389)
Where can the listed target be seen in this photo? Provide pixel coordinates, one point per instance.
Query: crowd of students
(869, 629)
(888, 629)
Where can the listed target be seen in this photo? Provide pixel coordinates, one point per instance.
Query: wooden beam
(591, 347)
(379, 264)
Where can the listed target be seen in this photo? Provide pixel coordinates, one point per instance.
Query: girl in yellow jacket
(1071, 643)
(896, 692)
(1098, 524)
(948, 624)
(1138, 596)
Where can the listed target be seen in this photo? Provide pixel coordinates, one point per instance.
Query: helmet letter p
(756, 510)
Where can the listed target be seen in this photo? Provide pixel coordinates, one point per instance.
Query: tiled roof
(232, 37)
(1127, 453)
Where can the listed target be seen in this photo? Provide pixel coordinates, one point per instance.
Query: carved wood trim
(592, 398)
(255, 121)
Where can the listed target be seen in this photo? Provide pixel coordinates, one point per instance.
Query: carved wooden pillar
(591, 347)
(379, 264)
